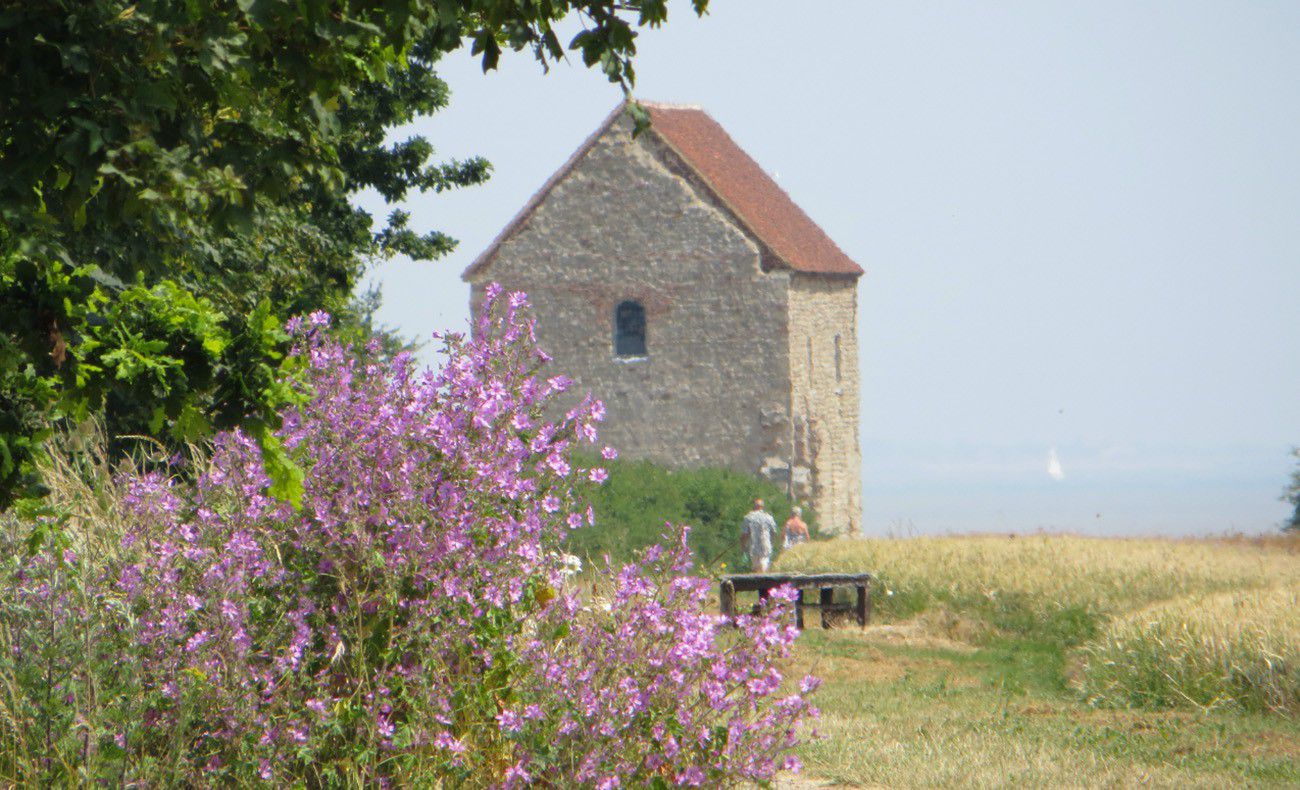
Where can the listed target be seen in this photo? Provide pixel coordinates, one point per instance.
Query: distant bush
(639, 497)
(1292, 496)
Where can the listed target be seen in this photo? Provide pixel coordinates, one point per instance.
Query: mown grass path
(907, 710)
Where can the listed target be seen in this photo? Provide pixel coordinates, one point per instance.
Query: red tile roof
(735, 179)
(749, 192)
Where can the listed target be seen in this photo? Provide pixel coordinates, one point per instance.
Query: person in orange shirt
(795, 531)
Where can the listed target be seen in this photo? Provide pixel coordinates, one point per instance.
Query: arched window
(629, 329)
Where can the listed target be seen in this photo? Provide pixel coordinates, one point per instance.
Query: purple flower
(558, 464)
(517, 774)
(509, 721)
(444, 740)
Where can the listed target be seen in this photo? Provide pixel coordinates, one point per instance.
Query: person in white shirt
(756, 535)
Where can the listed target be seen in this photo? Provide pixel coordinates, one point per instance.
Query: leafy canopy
(174, 183)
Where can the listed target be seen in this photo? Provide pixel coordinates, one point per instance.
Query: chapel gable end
(673, 279)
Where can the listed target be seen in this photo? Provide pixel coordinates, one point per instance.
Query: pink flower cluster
(652, 686)
(407, 622)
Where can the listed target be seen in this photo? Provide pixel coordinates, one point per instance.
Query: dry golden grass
(1048, 572)
(83, 489)
(1287, 542)
(1237, 649)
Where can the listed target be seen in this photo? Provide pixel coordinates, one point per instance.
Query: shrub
(406, 624)
(632, 506)
(605, 679)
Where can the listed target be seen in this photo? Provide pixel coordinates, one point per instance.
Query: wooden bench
(824, 583)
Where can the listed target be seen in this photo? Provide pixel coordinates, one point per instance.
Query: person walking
(756, 534)
(795, 531)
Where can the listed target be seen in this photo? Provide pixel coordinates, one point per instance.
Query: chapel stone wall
(824, 399)
(714, 386)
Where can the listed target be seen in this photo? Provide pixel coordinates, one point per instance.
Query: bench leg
(826, 598)
(727, 597)
(863, 607)
(798, 608)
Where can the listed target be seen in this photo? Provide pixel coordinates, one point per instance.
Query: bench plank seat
(748, 582)
(824, 583)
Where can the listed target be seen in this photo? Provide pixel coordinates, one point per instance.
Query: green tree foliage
(639, 497)
(174, 183)
(1292, 496)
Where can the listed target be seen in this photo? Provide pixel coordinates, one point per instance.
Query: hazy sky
(1080, 224)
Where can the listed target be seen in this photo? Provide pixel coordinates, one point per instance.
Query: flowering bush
(648, 685)
(407, 623)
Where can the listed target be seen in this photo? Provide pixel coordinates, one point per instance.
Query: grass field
(1061, 661)
(1239, 649)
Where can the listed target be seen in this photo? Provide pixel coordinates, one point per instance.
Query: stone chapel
(673, 278)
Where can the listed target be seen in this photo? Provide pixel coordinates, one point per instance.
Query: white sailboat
(1054, 469)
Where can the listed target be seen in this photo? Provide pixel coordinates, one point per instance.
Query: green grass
(918, 711)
